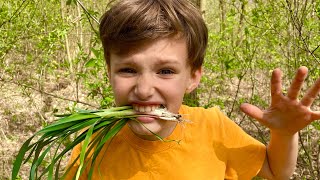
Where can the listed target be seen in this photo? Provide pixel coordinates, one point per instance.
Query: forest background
(51, 61)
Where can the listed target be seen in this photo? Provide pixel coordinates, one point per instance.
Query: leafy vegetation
(51, 61)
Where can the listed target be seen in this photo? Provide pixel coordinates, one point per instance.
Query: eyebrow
(167, 61)
(161, 61)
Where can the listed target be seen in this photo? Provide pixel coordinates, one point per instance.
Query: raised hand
(287, 114)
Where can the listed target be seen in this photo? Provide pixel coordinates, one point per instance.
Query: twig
(307, 154)
(298, 26)
(89, 16)
(48, 94)
(14, 14)
(4, 135)
(315, 49)
(257, 127)
(236, 96)
(87, 12)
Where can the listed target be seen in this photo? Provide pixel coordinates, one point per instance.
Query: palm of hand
(287, 114)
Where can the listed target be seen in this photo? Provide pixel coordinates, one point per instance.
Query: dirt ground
(17, 124)
(23, 112)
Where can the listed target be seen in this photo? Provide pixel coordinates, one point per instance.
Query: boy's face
(152, 75)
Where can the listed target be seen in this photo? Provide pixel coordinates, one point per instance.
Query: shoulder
(210, 121)
(216, 124)
(209, 115)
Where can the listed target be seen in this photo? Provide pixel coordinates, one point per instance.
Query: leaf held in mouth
(104, 124)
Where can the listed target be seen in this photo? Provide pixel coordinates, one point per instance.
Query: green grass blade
(56, 127)
(37, 163)
(84, 149)
(51, 166)
(33, 148)
(96, 127)
(83, 125)
(66, 122)
(156, 135)
(39, 152)
(56, 176)
(19, 158)
(78, 140)
(56, 158)
(112, 132)
(92, 144)
(39, 146)
(116, 114)
(103, 123)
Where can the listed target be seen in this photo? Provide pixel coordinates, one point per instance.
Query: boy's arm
(281, 157)
(285, 117)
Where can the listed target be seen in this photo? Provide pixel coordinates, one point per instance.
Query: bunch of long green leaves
(104, 124)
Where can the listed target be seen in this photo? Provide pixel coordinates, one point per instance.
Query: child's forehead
(164, 49)
(155, 60)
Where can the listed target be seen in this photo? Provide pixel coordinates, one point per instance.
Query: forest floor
(24, 111)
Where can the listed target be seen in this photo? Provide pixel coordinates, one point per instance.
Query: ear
(194, 80)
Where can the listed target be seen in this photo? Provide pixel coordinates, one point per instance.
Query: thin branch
(307, 154)
(87, 12)
(48, 94)
(315, 49)
(236, 95)
(298, 26)
(89, 17)
(14, 14)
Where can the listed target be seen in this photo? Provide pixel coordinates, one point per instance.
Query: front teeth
(145, 109)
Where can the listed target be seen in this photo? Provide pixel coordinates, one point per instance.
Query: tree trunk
(222, 6)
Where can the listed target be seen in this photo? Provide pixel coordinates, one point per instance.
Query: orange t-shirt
(211, 147)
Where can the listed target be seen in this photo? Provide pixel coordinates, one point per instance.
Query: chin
(144, 129)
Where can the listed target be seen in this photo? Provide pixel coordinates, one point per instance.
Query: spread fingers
(311, 94)
(297, 83)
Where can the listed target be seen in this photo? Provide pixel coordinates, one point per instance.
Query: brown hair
(130, 23)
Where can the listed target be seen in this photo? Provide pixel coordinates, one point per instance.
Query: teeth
(153, 108)
(145, 109)
(142, 109)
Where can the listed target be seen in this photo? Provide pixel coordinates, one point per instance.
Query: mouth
(147, 109)
(156, 111)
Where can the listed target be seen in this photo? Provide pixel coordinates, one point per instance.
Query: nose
(144, 87)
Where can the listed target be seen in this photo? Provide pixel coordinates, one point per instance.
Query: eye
(127, 70)
(166, 71)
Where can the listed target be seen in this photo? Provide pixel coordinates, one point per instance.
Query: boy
(154, 51)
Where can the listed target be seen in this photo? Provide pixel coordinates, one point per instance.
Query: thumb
(252, 111)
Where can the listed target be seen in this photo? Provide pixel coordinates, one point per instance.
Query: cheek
(120, 91)
(174, 92)
(177, 90)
